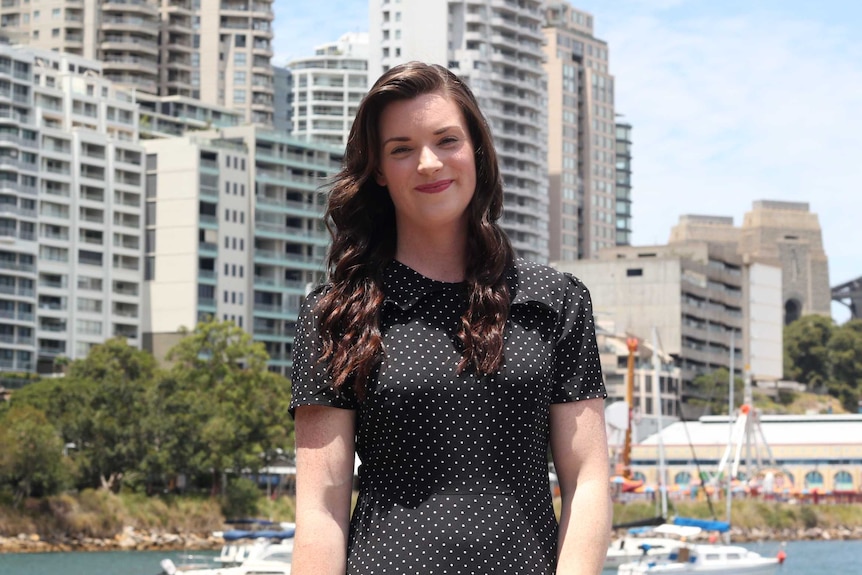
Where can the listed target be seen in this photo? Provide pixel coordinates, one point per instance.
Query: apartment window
(634, 272)
(242, 186)
(225, 296)
(226, 242)
(55, 13)
(87, 283)
(227, 188)
(89, 327)
(149, 268)
(239, 96)
(239, 41)
(55, 33)
(152, 161)
(239, 78)
(239, 59)
(90, 305)
(227, 269)
(150, 240)
(151, 185)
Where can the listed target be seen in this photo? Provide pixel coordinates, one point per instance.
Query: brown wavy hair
(360, 217)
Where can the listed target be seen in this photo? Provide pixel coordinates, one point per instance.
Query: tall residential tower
(582, 136)
(162, 47)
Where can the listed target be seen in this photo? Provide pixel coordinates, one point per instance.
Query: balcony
(279, 231)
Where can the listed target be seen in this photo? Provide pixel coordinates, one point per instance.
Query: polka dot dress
(454, 474)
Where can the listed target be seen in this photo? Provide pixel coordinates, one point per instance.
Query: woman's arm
(324, 480)
(580, 450)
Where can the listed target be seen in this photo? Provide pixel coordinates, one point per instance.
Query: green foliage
(806, 356)
(711, 391)
(32, 456)
(126, 423)
(240, 499)
(234, 410)
(826, 357)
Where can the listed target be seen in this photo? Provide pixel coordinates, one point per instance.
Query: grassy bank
(101, 514)
(753, 514)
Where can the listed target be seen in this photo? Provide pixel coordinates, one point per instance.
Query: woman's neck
(441, 257)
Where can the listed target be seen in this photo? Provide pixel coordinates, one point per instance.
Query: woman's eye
(399, 150)
(449, 140)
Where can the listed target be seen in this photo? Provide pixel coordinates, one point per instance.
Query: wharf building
(325, 89)
(702, 298)
(495, 46)
(162, 47)
(582, 139)
(234, 228)
(71, 188)
(811, 452)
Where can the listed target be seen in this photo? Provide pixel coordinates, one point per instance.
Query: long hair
(360, 217)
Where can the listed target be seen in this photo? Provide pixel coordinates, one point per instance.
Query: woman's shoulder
(532, 281)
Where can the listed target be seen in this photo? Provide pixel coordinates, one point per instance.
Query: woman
(446, 364)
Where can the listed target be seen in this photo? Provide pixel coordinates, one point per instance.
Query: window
(239, 41)
(151, 184)
(55, 33)
(149, 268)
(239, 96)
(239, 78)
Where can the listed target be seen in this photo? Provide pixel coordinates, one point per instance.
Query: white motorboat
(692, 559)
(654, 543)
(259, 552)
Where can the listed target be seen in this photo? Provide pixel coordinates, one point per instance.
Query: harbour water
(803, 558)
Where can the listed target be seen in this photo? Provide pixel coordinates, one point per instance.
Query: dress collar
(528, 283)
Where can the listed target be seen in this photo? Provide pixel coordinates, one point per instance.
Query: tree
(806, 352)
(31, 459)
(118, 377)
(711, 390)
(233, 410)
(845, 360)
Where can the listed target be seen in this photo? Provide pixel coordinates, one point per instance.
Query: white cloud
(733, 109)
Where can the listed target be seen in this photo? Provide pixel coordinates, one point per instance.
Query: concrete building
(614, 354)
(234, 232)
(582, 139)
(496, 48)
(169, 116)
(696, 295)
(788, 235)
(327, 88)
(71, 188)
(162, 47)
(811, 452)
(782, 234)
(624, 184)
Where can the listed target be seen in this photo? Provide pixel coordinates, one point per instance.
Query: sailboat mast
(632, 344)
(656, 364)
(730, 410)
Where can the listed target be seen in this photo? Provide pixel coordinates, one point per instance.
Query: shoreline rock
(132, 540)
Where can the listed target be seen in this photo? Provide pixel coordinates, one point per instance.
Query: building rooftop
(777, 430)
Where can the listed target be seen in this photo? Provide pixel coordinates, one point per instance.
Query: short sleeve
(577, 366)
(310, 383)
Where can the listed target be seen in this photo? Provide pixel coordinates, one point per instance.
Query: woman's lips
(434, 187)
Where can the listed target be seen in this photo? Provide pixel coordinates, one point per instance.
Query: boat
(687, 558)
(654, 542)
(702, 558)
(245, 552)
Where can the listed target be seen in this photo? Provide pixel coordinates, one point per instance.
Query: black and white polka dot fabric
(454, 474)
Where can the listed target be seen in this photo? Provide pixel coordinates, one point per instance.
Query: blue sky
(731, 102)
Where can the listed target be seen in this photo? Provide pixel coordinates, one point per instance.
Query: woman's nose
(428, 161)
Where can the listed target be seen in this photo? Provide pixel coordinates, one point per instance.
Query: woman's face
(427, 163)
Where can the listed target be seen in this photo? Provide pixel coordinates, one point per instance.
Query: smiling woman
(446, 364)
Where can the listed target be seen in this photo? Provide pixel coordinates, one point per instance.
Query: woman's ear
(378, 177)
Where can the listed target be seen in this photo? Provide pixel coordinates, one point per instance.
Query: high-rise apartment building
(326, 89)
(623, 184)
(162, 47)
(582, 138)
(71, 187)
(495, 46)
(234, 231)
